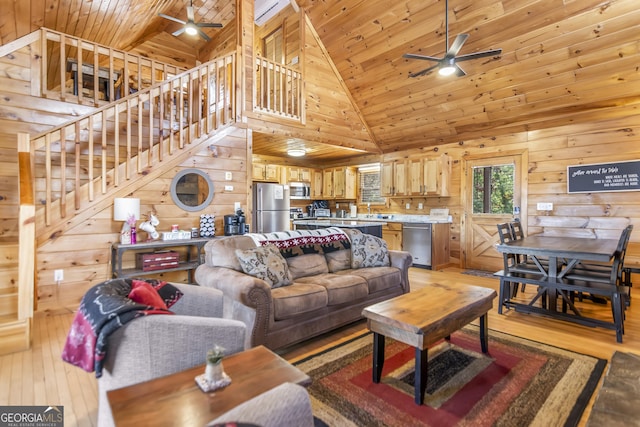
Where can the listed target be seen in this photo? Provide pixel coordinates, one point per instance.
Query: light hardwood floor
(39, 377)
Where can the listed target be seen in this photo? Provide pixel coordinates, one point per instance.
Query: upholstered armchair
(154, 346)
(286, 405)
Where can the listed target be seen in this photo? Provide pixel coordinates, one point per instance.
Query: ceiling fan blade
(190, 15)
(426, 58)
(423, 72)
(457, 45)
(203, 35)
(171, 18)
(477, 55)
(209, 25)
(178, 32)
(459, 71)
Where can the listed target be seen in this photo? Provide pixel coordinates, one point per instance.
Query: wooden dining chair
(512, 262)
(609, 286)
(612, 273)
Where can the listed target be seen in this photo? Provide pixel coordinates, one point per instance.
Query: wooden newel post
(26, 230)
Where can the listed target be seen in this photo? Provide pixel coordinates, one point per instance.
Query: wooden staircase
(81, 165)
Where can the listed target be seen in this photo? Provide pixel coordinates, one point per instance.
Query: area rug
(519, 383)
(480, 273)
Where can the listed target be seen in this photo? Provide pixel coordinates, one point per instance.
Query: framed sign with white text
(615, 176)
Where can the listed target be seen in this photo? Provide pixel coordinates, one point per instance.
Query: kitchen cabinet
(392, 234)
(393, 178)
(440, 236)
(339, 183)
(316, 184)
(429, 176)
(298, 174)
(266, 172)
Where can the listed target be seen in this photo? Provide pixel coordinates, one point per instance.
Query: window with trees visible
(369, 184)
(493, 189)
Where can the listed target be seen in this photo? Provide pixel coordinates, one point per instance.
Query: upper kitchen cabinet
(429, 176)
(298, 174)
(393, 178)
(266, 172)
(316, 184)
(339, 183)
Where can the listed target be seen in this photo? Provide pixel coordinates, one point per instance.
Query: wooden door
(487, 202)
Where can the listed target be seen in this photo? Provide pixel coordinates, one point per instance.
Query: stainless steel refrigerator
(270, 207)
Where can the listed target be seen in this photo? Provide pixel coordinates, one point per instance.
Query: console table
(193, 256)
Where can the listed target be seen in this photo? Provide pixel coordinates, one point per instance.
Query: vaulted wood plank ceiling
(563, 61)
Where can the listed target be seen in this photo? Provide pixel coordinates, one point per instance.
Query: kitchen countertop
(338, 222)
(395, 218)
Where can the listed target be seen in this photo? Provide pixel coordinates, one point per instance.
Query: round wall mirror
(192, 190)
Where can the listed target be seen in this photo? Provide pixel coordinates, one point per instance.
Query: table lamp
(127, 210)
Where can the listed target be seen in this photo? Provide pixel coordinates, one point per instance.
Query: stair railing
(69, 64)
(278, 89)
(87, 157)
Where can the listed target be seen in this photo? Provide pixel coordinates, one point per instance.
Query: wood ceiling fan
(448, 63)
(190, 26)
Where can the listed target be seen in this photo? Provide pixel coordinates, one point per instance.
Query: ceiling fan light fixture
(190, 29)
(296, 152)
(447, 70)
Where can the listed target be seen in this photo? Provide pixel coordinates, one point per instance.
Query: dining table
(560, 254)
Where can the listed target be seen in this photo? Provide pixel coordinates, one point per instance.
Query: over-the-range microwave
(299, 190)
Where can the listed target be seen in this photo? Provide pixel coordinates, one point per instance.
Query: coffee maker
(235, 224)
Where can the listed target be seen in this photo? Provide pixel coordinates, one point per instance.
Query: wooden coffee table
(176, 400)
(422, 317)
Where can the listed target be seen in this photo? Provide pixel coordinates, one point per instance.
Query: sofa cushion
(265, 263)
(378, 278)
(298, 298)
(368, 250)
(221, 252)
(340, 288)
(338, 260)
(307, 265)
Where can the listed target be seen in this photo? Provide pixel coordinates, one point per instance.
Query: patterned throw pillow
(368, 251)
(265, 263)
(169, 293)
(143, 293)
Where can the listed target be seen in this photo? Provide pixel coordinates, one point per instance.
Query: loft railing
(116, 142)
(278, 89)
(69, 64)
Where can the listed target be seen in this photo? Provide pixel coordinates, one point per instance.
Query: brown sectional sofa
(325, 292)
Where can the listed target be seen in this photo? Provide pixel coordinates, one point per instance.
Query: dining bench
(567, 289)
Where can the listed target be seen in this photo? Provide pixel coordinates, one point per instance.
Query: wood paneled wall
(83, 252)
(602, 215)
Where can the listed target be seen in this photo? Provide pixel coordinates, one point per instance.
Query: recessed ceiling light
(296, 152)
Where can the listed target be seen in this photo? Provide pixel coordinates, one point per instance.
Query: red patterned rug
(519, 383)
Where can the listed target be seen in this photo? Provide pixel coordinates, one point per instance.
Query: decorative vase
(214, 372)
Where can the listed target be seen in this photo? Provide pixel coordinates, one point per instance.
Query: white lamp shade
(123, 208)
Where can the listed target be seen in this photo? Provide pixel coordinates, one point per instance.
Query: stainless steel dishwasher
(416, 239)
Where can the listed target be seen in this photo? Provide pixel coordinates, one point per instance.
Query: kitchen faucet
(369, 210)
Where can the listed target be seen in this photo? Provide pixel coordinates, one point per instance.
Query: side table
(176, 400)
(193, 259)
